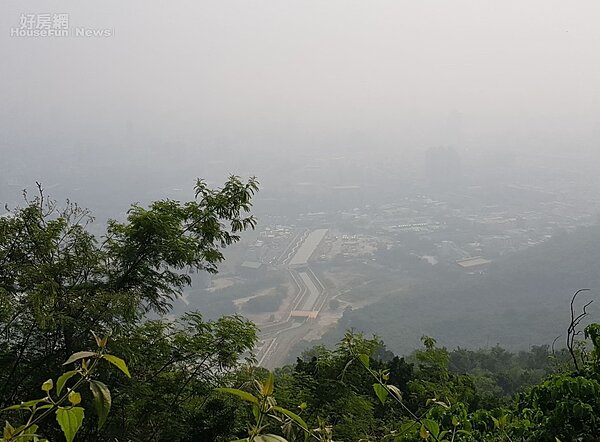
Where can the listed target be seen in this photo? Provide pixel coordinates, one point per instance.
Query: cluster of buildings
(469, 228)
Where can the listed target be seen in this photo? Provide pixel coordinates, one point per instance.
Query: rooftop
(469, 263)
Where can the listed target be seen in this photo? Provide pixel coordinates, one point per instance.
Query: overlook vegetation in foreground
(195, 380)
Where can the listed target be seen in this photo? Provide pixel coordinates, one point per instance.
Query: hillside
(521, 300)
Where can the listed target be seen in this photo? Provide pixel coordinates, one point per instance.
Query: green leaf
(292, 416)
(269, 438)
(432, 427)
(60, 382)
(70, 420)
(408, 426)
(98, 340)
(381, 392)
(47, 386)
(256, 412)
(395, 391)
(503, 420)
(101, 342)
(14, 407)
(240, 393)
(364, 359)
(118, 362)
(102, 400)
(23, 434)
(79, 355)
(9, 430)
(269, 385)
(27, 404)
(30, 431)
(436, 402)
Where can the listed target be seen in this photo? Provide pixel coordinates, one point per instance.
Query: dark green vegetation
(63, 398)
(361, 392)
(194, 380)
(58, 284)
(215, 304)
(519, 301)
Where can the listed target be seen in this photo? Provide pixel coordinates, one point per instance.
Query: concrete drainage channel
(275, 340)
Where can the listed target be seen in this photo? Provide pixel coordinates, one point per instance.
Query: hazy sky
(313, 74)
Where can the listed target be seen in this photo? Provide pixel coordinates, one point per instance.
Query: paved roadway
(276, 339)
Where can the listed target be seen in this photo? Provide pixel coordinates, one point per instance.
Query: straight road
(276, 339)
